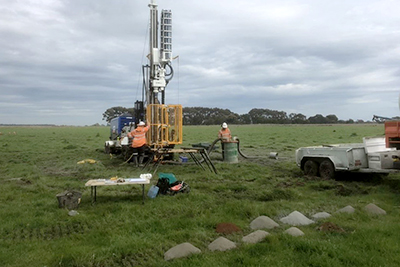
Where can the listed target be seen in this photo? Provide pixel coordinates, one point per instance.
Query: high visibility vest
(224, 134)
(139, 136)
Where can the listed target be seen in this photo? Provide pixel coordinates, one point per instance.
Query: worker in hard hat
(224, 134)
(139, 141)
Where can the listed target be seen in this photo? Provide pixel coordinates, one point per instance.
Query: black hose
(170, 75)
(241, 153)
(212, 145)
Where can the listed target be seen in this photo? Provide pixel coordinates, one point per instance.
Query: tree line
(216, 116)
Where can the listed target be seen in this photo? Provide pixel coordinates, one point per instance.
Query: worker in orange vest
(139, 141)
(224, 134)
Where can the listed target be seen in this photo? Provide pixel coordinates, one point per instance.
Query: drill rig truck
(165, 121)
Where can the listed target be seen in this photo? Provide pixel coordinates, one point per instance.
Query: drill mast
(165, 120)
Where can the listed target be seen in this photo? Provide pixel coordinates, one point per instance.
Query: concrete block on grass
(255, 237)
(294, 231)
(321, 215)
(374, 209)
(181, 251)
(221, 244)
(347, 209)
(296, 218)
(263, 222)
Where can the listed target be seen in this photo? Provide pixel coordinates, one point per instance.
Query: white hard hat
(224, 125)
(141, 123)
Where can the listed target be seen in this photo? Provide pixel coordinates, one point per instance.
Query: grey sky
(66, 62)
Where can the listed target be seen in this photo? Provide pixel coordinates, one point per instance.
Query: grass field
(37, 163)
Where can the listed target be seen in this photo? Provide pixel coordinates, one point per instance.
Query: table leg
(198, 163)
(91, 194)
(149, 160)
(208, 161)
(143, 194)
(95, 193)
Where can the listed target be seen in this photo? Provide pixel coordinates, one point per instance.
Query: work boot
(135, 161)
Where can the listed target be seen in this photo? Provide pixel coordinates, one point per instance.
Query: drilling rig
(165, 121)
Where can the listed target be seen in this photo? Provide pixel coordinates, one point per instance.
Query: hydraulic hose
(212, 145)
(169, 75)
(241, 153)
(127, 159)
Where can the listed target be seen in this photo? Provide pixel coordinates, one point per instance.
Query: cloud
(78, 58)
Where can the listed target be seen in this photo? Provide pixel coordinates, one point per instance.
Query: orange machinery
(392, 134)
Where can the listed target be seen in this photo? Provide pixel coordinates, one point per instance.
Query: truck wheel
(327, 170)
(311, 168)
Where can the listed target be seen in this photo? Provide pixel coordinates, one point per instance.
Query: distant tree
(193, 116)
(114, 112)
(232, 118)
(208, 116)
(297, 118)
(245, 119)
(332, 118)
(317, 119)
(268, 116)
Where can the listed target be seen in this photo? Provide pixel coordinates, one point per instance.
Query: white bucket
(273, 155)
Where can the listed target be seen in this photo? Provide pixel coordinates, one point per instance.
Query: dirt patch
(331, 228)
(287, 184)
(22, 232)
(277, 194)
(20, 181)
(56, 171)
(352, 189)
(227, 228)
(24, 181)
(323, 186)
